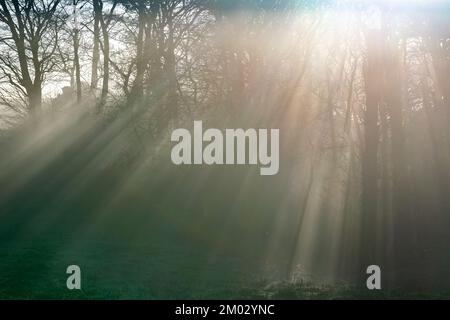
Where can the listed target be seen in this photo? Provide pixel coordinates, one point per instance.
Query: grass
(36, 270)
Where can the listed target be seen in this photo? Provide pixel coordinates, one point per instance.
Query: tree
(28, 51)
(76, 48)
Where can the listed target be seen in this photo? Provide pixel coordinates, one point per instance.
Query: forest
(91, 91)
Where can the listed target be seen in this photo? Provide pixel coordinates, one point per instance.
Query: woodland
(91, 91)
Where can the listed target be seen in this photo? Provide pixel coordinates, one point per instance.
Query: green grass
(35, 269)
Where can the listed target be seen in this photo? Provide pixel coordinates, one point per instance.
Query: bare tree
(30, 45)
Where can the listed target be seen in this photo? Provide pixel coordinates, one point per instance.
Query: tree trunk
(35, 97)
(96, 49)
(172, 99)
(76, 45)
(369, 197)
(403, 215)
(138, 89)
(105, 84)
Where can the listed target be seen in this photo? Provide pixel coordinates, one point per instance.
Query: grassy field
(35, 269)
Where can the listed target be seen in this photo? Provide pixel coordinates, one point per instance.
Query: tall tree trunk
(106, 54)
(96, 49)
(402, 214)
(172, 98)
(137, 90)
(76, 45)
(35, 97)
(369, 197)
